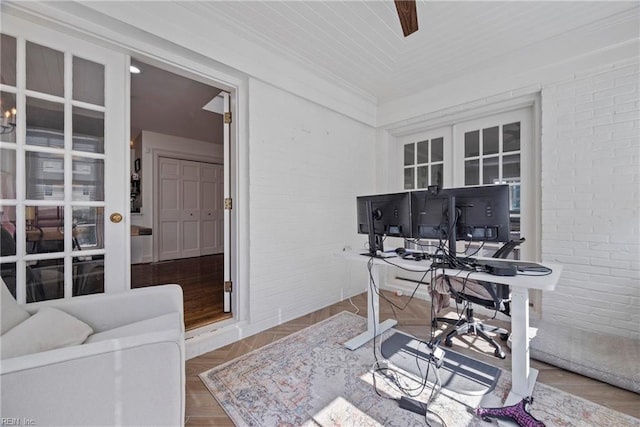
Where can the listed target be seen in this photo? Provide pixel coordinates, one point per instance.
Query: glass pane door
(492, 156)
(423, 159)
(55, 150)
(499, 149)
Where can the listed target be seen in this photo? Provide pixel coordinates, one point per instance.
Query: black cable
(415, 290)
(422, 385)
(476, 251)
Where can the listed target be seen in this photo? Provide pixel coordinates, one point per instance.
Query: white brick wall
(307, 165)
(591, 199)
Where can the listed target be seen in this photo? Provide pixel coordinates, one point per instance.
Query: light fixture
(134, 70)
(8, 124)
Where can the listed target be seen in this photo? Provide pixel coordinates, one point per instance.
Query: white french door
(64, 218)
(499, 149)
(424, 159)
(493, 149)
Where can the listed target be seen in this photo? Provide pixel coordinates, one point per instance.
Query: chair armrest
(82, 351)
(107, 311)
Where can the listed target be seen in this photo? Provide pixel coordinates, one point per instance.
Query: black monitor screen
(430, 215)
(482, 213)
(390, 214)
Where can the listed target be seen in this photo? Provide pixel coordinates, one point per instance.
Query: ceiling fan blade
(408, 16)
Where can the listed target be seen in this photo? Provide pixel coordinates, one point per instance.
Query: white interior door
(64, 217)
(190, 208)
(212, 212)
(169, 216)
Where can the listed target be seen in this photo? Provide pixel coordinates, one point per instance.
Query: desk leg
(522, 376)
(374, 327)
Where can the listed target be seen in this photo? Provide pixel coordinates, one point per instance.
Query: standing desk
(523, 376)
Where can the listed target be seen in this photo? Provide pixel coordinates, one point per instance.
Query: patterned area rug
(310, 379)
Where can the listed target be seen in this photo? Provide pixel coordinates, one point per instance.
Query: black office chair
(493, 296)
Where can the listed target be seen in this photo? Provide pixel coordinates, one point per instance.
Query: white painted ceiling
(360, 44)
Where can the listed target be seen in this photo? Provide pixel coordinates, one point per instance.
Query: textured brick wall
(308, 164)
(590, 199)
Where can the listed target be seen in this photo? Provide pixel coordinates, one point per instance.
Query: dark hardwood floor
(201, 279)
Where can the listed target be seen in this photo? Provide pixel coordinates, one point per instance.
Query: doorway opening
(177, 190)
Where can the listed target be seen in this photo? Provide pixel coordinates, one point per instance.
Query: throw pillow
(12, 313)
(48, 329)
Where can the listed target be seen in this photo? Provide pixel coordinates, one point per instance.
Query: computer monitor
(429, 213)
(482, 213)
(384, 215)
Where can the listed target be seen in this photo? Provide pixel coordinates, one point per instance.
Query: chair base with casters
(470, 325)
(493, 296)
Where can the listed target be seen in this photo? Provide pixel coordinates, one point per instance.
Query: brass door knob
(115, 217)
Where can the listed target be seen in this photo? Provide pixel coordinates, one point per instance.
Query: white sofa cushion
(155, 324)
(12, 312)
(48, 329)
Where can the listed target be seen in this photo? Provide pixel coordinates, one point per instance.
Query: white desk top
(534, 281)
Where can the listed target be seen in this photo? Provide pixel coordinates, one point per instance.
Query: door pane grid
(56, 171)
(489, 168)
(492, 156)
(424, 163)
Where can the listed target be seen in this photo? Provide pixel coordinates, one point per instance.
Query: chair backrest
(7, 244)
(8, 270)
(35, 290)
(501, 291)
(498, 293)
(505, 250)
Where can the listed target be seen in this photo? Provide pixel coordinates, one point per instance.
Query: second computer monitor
(429, 214)
(482, 213)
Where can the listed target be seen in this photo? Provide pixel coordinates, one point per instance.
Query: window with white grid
(493, 149)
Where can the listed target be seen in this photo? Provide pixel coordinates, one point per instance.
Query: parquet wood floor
(203, 410)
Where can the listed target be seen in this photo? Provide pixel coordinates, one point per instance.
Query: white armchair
(130, 371)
